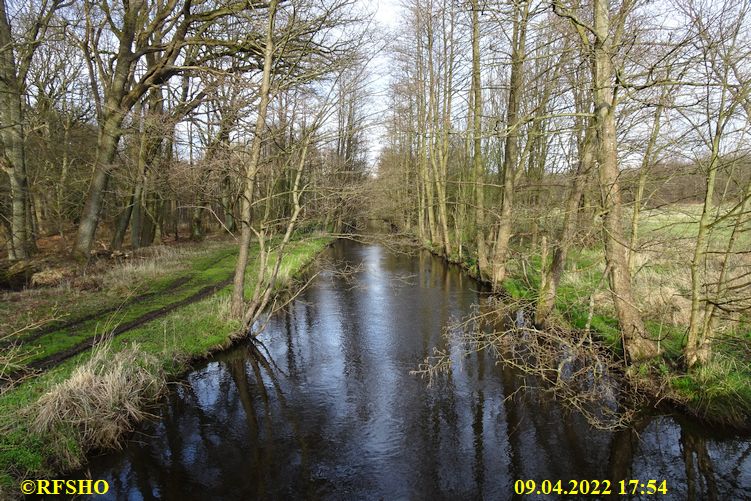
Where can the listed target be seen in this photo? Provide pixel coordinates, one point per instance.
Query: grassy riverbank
(719, 392)
(175, 303)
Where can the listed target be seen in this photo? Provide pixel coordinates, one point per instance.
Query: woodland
(588, 159)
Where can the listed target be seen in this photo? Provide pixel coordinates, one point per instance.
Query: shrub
(102, 398)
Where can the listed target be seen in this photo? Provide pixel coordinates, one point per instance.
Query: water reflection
(331, 411)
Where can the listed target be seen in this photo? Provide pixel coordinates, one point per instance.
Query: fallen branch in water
(563, 364)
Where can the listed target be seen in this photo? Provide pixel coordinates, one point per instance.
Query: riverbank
(332, 408)
(718, 393)
(171, 305)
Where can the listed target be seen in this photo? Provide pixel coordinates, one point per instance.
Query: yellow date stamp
(590, 487)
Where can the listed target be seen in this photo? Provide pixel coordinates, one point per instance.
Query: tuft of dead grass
(103, 398)
(51, 277)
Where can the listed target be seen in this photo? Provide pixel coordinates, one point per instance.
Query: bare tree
(16, 53)
(159, 34)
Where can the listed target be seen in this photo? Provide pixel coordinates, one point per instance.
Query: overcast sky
(387, 11)
(387, 15)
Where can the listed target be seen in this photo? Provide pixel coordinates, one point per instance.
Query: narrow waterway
(332, 411)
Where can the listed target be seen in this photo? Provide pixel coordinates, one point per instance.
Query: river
(332, 411)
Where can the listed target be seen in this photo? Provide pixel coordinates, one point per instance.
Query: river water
(332, 411)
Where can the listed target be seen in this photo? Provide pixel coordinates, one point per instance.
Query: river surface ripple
(332, 412)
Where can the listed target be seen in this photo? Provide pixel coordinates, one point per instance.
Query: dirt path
(36, 334)
(57, 358)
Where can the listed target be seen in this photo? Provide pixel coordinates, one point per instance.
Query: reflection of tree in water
(342, 416)
(236, 368)
(263, 432)
(199, 448)
(622, 447)
(700, 475)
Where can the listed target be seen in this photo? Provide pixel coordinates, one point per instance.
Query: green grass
(206, 272)
(187, 333)
(720, 391)
(149, 272)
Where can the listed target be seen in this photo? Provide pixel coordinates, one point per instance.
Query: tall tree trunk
(432, 141)
(12, 135)
(638, 345)
(119, 98)
(511, 155)
(477, 162)
(697, 349)
(64, 166)
(238, 301)
(109, 137)
(443, 145)
(425, 112)
(551, 276)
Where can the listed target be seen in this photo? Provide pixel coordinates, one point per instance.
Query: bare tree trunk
(697, 346)
(741, 219)
(265, 286)
(444, 147)
(111, 119)
(638, 345)
(12, 135)
(123, 89)
(425, 112)
(646, 164)
(122, 224)
(721, 288)
(238, 301)
(698, 349)
(109, 137)
(553, 274)
(511, 155)
(432, 141)
(477, 162)
(64, 166)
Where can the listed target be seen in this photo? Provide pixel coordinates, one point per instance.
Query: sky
(387, 15)
(387, 12)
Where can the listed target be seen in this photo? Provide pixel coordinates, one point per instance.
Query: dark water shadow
(328, 409)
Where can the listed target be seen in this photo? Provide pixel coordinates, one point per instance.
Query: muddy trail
(67, 325)
(41, 365)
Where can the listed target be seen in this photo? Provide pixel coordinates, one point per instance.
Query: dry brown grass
(150, 263)
(664, 296)
(103, 397)
(51, 277)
